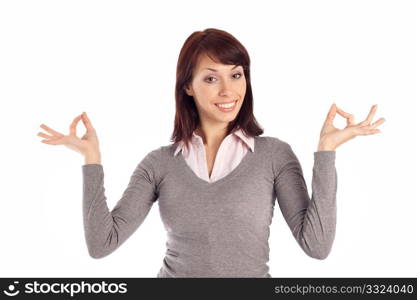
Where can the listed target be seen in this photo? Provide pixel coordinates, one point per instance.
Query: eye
(239, 76)
(209, 78)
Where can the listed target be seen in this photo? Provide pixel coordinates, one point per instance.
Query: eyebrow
(214, 70)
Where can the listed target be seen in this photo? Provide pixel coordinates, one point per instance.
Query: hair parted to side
(223, 48)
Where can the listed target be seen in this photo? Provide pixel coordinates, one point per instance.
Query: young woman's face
(215, 84)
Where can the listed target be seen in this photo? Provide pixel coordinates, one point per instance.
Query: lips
(226, 102)
(232, 106)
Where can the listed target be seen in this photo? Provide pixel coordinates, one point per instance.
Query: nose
(225, 88)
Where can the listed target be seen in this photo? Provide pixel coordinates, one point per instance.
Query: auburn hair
(223, 48)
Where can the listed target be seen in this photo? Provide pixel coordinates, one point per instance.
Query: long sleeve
(105, 231)
(311, 221)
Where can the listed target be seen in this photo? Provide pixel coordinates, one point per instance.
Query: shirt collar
(249, 141)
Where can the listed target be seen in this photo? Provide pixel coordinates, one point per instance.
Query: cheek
(242, 93)
(243, 87)
(205, 94)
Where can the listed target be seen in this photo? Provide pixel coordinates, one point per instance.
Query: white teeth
(229, 105)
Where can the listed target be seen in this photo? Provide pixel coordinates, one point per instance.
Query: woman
(216, 184)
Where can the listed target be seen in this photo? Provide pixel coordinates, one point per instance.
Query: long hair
(223, 48)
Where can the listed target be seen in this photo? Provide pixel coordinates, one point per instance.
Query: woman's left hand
(332, 137)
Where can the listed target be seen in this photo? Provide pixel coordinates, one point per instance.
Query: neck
(212, 134)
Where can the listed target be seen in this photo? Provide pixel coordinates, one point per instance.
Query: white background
(116, 60)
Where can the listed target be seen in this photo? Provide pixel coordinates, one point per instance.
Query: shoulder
(157, 156)
(273, 143)
(280, 153)
(161, 156)
(153, 165)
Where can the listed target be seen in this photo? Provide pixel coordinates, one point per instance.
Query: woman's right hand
(87, 145)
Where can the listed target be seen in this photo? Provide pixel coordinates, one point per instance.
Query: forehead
(205, 61)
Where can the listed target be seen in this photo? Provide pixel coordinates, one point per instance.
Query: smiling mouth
(226, 107)
(226, 104)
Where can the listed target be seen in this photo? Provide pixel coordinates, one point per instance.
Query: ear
(188, 90)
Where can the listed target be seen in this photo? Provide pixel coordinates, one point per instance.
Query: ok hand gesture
(88, 143)
(332, 137)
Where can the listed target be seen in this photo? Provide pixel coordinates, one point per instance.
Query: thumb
(87, 122)
(331, 114)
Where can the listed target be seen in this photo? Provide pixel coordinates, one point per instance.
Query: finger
(57, 140)
(350, 118)
(377, 123)
(331, 114)
(87, 122)
(73, 126)
(371, 114)
(45, 135)
(46, 128)
(51, 142)
(368, 131)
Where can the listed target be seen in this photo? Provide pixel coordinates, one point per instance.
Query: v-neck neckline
(241, 166)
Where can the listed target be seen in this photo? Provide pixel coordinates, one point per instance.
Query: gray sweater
(218, 229)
